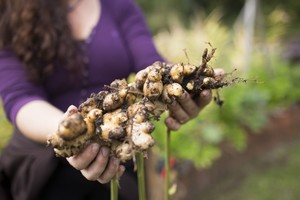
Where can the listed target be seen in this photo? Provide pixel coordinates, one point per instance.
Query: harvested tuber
(120, 118)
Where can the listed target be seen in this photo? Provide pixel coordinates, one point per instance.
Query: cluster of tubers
(120, 118)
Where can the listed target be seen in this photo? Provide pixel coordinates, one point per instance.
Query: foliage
(155, 10)
(272, 84)
(5, 129)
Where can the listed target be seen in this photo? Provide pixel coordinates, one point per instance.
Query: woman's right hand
(95, 161)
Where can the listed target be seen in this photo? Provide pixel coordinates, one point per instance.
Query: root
(120, 118)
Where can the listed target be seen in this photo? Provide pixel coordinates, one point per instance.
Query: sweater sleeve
(15, 89)
(136, 33)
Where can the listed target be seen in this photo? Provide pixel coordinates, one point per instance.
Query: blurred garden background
(249, 148)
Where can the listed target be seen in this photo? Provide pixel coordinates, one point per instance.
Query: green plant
(5, 129)
(272, 84)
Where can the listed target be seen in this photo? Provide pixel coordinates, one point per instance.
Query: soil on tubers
(120, 118)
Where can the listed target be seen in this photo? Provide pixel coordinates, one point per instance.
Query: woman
(55, 54)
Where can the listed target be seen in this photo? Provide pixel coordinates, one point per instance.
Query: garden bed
(264, 150)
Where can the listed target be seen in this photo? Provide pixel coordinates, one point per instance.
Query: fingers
(111, 171)
(186, 108)
(172, 123)
(95, 163)
(178, 112)
(97, 166)
(181, 111)
(84, 159)
(188, 105)
(70, 111)
(203, 99)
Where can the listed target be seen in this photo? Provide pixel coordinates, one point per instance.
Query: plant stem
(141, 176)
(114, 188)
(167, 164)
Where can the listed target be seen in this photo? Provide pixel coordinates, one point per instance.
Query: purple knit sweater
(119, 44)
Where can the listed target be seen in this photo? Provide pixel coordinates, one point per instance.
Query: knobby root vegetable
(120, 118)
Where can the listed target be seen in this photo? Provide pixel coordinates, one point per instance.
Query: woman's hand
(188, 107)
(95, 162)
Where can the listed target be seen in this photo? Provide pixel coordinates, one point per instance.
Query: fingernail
(95, 147)
(175, 124)
(172, 123)
(105, 151)
(122, 168)
(184, 96)
(176, 127)
(205, 93)
(173, 103)
(116, 161)
(208, 96)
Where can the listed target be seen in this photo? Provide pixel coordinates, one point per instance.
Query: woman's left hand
(188, 107)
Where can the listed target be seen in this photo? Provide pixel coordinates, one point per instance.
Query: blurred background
(247, 148)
